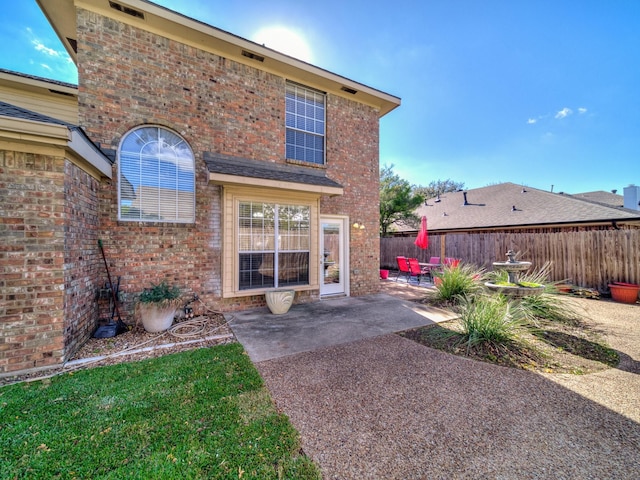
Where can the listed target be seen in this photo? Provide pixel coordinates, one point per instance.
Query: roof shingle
(8, 110)
(242, 167)
(511, 205)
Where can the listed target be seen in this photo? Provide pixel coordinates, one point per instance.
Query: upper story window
(156, 179)
(305, 121)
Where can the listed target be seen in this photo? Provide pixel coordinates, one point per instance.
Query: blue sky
(534, 92)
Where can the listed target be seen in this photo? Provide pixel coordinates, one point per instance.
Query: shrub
(458, 282)
(489, 319)
(160, 293)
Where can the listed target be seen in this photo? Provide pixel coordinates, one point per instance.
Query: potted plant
(157, 306)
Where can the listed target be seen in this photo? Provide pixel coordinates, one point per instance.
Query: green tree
(438, 187)
(397, 201)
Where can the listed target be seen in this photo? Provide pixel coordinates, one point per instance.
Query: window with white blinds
(274, 244)
(156, 178)
(305, 122)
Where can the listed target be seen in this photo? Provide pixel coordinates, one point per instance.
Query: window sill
(262, 291)
(155, 223)
(302, 163)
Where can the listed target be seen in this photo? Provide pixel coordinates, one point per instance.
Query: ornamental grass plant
(489, 319)
(458, 282)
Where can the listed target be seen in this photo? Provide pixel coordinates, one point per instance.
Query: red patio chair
(431, 268)
(415, 270)
(403, 267)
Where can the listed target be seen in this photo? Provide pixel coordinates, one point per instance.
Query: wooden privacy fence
(592, 258)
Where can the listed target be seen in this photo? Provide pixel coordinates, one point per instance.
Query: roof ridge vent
(128, 10)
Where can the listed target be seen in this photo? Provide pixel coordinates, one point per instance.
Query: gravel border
(390, 408)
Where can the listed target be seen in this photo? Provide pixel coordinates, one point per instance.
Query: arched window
(156, 179)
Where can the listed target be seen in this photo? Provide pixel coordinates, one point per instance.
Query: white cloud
(582, 110)
(565, 112)
(40, 47)
(50, 62)
(531, 121)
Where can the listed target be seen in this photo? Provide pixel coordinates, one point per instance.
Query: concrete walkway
(326, 323)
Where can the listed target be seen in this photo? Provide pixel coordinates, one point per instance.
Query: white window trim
(231, 198)
(324, 120)
(276, 250)
(183, 220)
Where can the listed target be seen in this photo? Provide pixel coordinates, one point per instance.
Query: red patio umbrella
(422, 240)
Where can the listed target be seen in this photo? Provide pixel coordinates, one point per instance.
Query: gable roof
(149, 16)
(508, 205)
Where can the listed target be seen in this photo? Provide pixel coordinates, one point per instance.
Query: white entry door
(333, 261)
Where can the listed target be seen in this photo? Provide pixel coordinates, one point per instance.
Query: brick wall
(31, 260)
(129, 77)
(353, 161)
(83, 271)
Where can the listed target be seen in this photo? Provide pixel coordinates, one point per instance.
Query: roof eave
(170, 24)
(82, 146)
(225, 179)
(83, 151)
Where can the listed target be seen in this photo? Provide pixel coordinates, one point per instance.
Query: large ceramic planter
(624, 292)
(157, 317)
(279, 301)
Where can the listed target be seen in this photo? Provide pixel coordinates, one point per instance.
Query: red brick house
(232, 169)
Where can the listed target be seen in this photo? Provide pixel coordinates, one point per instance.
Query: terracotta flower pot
(564, 288)
(624, 293)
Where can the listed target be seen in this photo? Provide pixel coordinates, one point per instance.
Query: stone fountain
(514, 287)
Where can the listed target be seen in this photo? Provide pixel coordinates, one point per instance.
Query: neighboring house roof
(508, 205)
(21, 123)
(600, 196)
(228, 169)
(151, 17)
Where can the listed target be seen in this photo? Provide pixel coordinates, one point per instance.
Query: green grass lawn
(198, 414)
